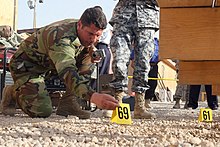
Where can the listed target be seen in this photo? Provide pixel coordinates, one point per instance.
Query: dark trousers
(212, 100)
(150, 93)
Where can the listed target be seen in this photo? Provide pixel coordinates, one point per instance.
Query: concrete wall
(8, 13)
(167, 78)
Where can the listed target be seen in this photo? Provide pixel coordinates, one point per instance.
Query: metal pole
(3, 75)
(14, 18)
(97, 86)
(97, 80)
(34, 21)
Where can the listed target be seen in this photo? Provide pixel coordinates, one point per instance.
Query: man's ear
(79, 24)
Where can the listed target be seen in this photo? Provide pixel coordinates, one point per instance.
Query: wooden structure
(190, 32)
(8, 13)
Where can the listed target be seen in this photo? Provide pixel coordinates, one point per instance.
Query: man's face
(88, 35)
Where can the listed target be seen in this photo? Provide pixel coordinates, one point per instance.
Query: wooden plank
(186, 3)
(190, 33)
(199, 72)
(168, 63)
(216, 89)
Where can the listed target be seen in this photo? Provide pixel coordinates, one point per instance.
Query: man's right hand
(104, 101)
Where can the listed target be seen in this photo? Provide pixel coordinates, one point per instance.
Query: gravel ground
(171, 128)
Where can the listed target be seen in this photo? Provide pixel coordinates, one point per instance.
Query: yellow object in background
(205, 114)
(122, 114)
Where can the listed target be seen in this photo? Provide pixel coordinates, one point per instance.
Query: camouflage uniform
(182, 91)
(9, 38)
(133, 21)
(56, 48)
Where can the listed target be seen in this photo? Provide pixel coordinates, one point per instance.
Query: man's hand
(104, 101)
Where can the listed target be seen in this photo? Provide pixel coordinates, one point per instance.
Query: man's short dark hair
(94, 16)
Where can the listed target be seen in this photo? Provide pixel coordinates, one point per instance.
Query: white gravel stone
(206, 143)
(186, 145)
(172, 128)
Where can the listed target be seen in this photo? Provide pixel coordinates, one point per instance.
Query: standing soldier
(64, 47)
(133, 21)
(182, 91)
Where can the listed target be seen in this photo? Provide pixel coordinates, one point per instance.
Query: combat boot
(118, 96)
(68, 105)
(8, 105)
(147, 103)
(177, 104)
(140, 111)
(187, 100)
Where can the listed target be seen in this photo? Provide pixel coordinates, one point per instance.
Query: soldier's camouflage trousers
(33, 98)
(121, 46)
(29, 87)
(182, 92)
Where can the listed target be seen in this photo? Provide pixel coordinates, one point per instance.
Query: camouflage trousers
(182, 92)
(33, 98)
(122, 42)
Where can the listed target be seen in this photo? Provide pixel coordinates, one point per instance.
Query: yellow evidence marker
(122, 114)
(205, 114)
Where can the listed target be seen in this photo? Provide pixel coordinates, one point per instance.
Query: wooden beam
(190, 33)
(186, 3)
(167, 62)
(199, 72)
(216, 89)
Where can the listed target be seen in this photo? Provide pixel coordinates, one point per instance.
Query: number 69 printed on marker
(122, 114)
